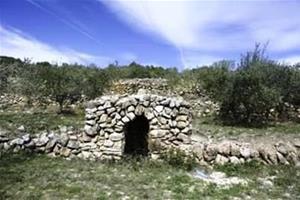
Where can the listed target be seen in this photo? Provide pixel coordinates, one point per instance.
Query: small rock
(281, 149)
(224, 148)
(282, 159)
(103, 118)
(297, 143)
(85, 154)
(111, 110)
(185, 139)
(159, 109)
(85, 138)
(181, 124)
(63, 139)
(245, 152)
(6, 146)
(50, 145)
(221, 160)
(182, 118)
(17, 141)
(130, 109)
(131, 115)
(266, 183)
(234, 149)
(210, 152)
(108, 143)
(42, 141)
(149, 115)
(90, 130)
(73, 144)
(234, 160)
(21, 128)
(125, 119)
(198, 150)
(116, 137)
(30, 145)
(65, 152)
(157, 133)
(26, 138)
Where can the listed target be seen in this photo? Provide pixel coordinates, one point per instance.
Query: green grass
(26, 176)
(38, 121)
(286, 179)
(208, 126)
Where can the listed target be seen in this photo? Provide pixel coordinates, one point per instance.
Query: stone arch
(136, 136)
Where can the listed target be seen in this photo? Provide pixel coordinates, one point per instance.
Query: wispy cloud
(73, 24)
(204, 31)
(18, 44)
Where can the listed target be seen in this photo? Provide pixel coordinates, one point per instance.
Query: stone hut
(139, 124)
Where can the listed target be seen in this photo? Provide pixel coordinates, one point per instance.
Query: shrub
(179, 159)
(248, 100)
(247, 94)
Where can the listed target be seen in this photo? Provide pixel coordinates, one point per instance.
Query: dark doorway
(136, 136)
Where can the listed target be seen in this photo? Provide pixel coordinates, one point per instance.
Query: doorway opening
(136, 137)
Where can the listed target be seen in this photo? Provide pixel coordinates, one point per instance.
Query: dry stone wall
(131, 86)
(169, 122)
(70, 143)
(237, 152)
(104, 137)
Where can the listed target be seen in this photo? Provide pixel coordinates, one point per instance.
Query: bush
(248, 100)
(179, 159)
(248, 94)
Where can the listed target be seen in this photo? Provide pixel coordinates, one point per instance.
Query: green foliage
(248, 100)
(9, 67)
(247, 94)
(179, 159)
(292, 93)
(215, 79)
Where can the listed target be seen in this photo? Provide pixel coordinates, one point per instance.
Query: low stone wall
(131, 86)
(71, 143)
(66, 142)
(227, 151)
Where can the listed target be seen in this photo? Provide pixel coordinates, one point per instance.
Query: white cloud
(294, 59)
(214, 28)
(17, 44)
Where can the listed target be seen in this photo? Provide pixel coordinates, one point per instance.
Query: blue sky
(170, 33)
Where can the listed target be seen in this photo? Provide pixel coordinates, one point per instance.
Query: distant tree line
(248, 92)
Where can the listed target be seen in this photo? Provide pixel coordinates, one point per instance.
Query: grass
(286, 179)
(38, 121)
(26, 176)
(208, 126)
